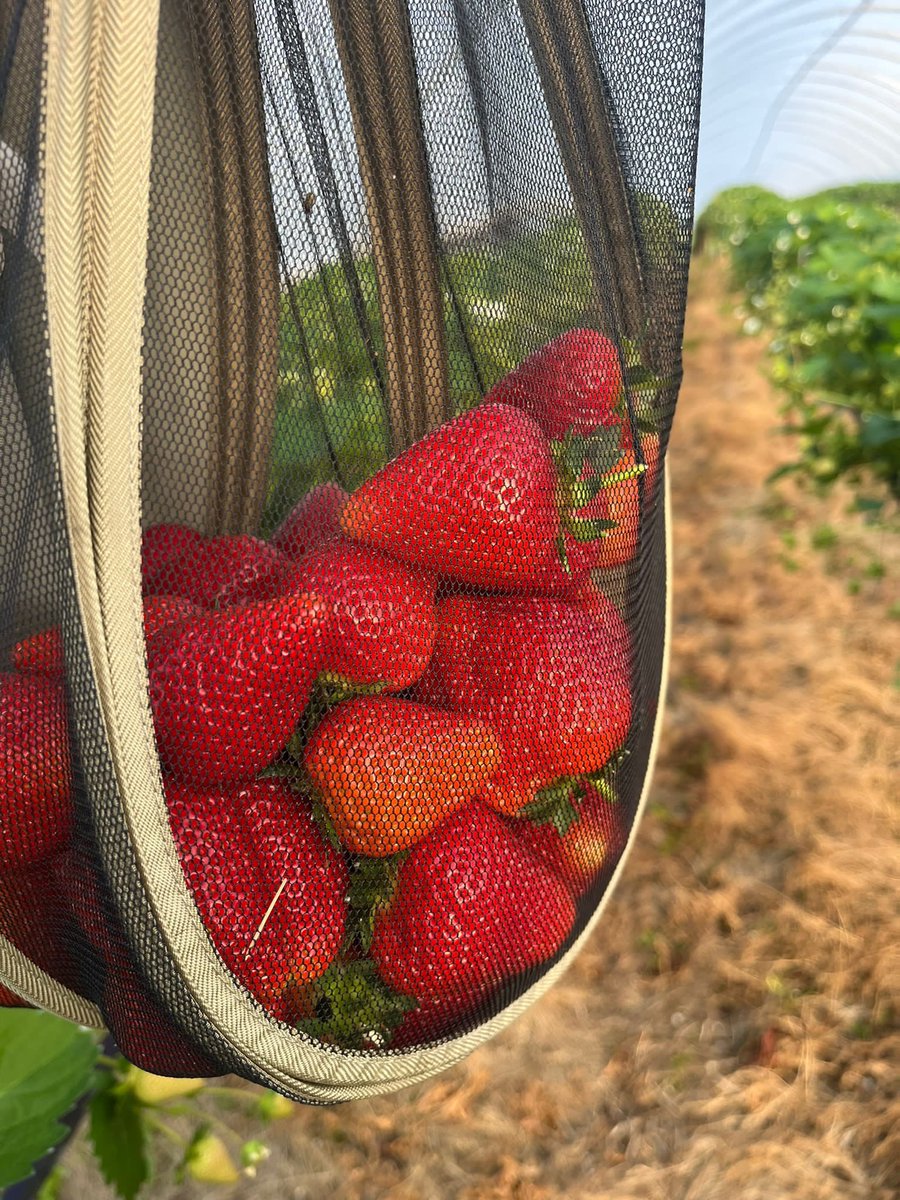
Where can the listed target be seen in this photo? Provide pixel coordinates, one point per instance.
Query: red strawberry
(9, 999)
(161, 545)
(313, 520)
(389, 770)
(34, 916)
(269, 889)
(143, 1032)
(228, 688)
(594, 840)
(36, 804)
(382, 614)
(161, 612)
(475, 500)
(40, 654)
(573, 383)
(473, 907)
(545, 675)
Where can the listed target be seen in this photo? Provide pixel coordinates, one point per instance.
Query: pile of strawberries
(387, 732)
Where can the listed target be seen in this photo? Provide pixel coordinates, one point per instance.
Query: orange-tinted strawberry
(549, 679)
(161, 546)
(389, 770)
(227, 688)
(573, 383)
(36, 804)
(313, 520)
(593, 841)
(620, 502)
(475, 500)
(269, 889)
(473, 907)
(381, 628)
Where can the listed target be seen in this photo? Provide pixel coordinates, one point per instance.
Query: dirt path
(728, 1034)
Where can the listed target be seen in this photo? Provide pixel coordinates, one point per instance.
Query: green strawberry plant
(48, 1066)
(823, 276)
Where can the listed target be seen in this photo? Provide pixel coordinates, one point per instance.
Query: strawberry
(381, 629)
(161, 545)
(473, 907)
(161, 612)
(40, 654)
(9, 999)
(227, 688)
(313, 520)
(593, 841)
(36, 803)
(572, 384)
(389, 770)
(620, 503)
(546, 676)
(269, 889)
(143, 1032)
(475, 500)
(34, 916)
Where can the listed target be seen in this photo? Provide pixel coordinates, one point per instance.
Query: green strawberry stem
(556, 805)
(372, 885)
(355, 1008)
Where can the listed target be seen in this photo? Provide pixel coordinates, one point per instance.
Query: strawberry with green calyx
(572, 384)
(550, 680)
(388, 770)
(586, 845)
(473, 906)
(269, 889)
(36, 801)
(312, 521)
(381, 630)
(354, 1008)
(227, 688)
(620, 503)
(479, 500)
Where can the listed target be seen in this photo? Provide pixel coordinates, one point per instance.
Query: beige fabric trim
(20, 975)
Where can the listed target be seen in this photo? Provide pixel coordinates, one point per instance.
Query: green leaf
(118, 1136)
(45, 1065)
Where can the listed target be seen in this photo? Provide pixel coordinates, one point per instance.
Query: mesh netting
(410, 300)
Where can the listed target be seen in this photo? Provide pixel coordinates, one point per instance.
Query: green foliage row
(822, 274)
(330, 415)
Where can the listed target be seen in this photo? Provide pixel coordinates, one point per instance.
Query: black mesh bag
(339, 349)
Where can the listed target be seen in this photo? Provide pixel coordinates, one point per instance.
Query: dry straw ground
(731, 1031)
